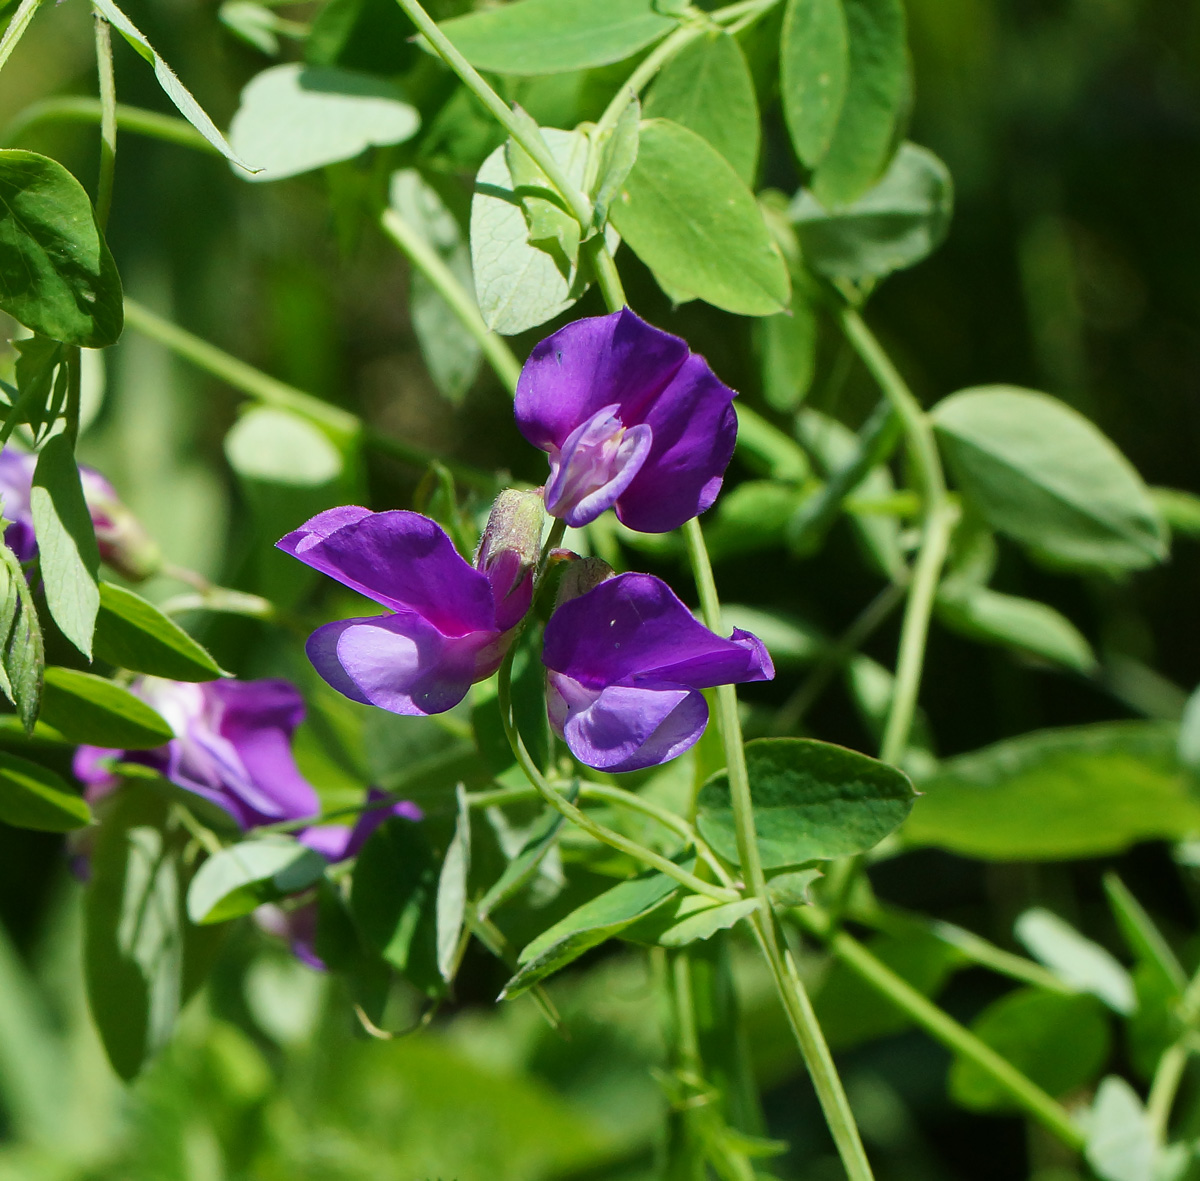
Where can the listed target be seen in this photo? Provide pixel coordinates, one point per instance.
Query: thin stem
(108, 120)
(1169, 1072)
(533, 144)
(16, 28)
(82, 109)
(608, 279)
(443, 281)
(938, 521)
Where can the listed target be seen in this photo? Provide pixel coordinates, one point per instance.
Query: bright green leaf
(1042, 473)
(813, 801)
(33, 797)
(279, 447)
(57, 276)
(452, 889)
(67, 551)
(552, 36)
(86, 708)
(134, 634)
(238, 879)
(689, 217)
(1180, 510)
(894, 224)
(294, 118)
(707, 88)
(1077, 961)
(814, 69)
(1122, 1144)
(617, 158)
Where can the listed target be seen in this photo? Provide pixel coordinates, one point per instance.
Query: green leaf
(374, 36)
(21, 657)
(57, 276)
(689, 217)
(1121, 1143)
(1059, 1041)
(452, 890)
(451, 352)
(1180, 510)
(814, 72)
(253, 23)
(517, 285)
(279, 447)
(33, 797)
(791, 888)
(43, 380)
(786, 345)
(520, 870)
(175, 90)
(707, 88)
(294, 118)
(67, 552)
(617, 158)
(1078, 962)
(894, 224)
(767, 450)
(750, 517)
(1040, 472)
(813, 801)
(1189, 734)
(552, 36)
(702, 922)
(588, 926)
(83, 707)
(134, 634)
(393, 898)
(1014, 622)
(1143, 937)
(239, 879)
(878, 92)
(1078, 792)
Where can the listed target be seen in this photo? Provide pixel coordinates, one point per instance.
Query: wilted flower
(627, 661)
(630, 419)
(451, 623)
(232, 746)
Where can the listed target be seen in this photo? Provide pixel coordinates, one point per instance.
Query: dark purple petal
(634, 630)
(401, 560)
(590, 364)
(623, 728)
(401, 662)
(16, 481)
(695, 429)
(370, 820)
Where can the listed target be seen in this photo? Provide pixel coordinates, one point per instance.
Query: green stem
(82, 109)
(608, 279)
(16, 28)
(108, 120)
(1169, 1072)
(938, 520)
(442, 280)
(520, 131)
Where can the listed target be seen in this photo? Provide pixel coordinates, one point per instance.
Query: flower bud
(123, 543)
(509, 550)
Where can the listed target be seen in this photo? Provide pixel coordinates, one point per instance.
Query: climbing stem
(80, 108)
(108, 120)
(16, 28)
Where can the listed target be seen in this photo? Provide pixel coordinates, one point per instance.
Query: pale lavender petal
(329, 840)
(401, 560)
(589, 364)
(596, 464)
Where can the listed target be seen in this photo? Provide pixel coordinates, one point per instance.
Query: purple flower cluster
(630, 420)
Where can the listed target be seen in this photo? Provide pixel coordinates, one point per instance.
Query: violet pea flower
(232, 746)
(451, 623)
(630, 418)
(626, 662)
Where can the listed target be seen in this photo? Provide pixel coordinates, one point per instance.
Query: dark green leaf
(21, 656)
(42, 377)
(813, 801)
(693, 917)
(768, 450)
(878, 91)
(1078, 792)
(689, 217)
(1143, 937)
(452, 890)
(67, 552)
(541, 839)
(134, 634)
(1078, 962)
(814, 69)
(86, 708)
(750, 518)
(1042, 473)
(57, 276)
(1060, 1042)
(368, 35)
(1122, 1144)
(236, 880)
(33, 797)
(552, 36)
(786, 345)
(707, 88)
(893, 225)
(394, 901)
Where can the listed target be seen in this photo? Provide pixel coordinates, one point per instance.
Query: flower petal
(401, 560)
(589, 364)
(622, 728)
(400, 663)
(597, 463)
(633, 629)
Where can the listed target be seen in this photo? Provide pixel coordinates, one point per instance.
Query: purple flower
(627, 661)
(232, 746)
(16, 481)
(451, 623)
(630, 419)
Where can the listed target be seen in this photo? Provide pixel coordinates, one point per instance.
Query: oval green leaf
(83, 707)
(236, 880)
(813, 801)
(814, 68)
(1083, 966)
(279, 447)
(134, 634)
(33, 797)
(57, 276)
(1040, 472)
(553, 36)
